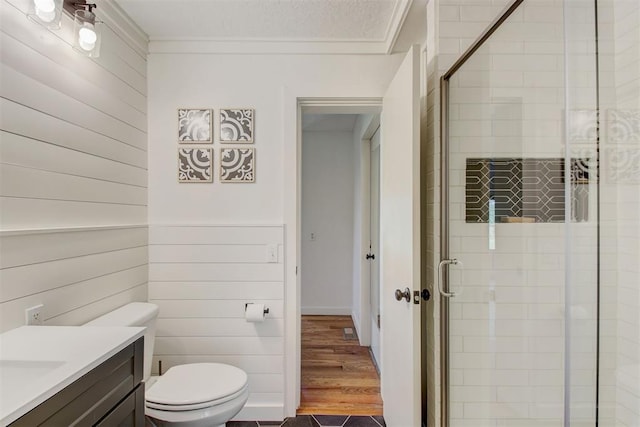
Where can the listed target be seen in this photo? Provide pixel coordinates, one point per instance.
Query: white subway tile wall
(510, 100)
(620, 296)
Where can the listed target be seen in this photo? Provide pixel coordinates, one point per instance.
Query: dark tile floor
(316, 421)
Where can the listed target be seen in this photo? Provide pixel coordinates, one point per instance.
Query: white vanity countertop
(36, 362)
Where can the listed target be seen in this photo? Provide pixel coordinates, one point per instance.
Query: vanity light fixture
(47, 13)
(86, 28)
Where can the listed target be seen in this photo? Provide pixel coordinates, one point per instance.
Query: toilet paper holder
(266, 309)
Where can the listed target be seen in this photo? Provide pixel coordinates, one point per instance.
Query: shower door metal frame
(444, 204)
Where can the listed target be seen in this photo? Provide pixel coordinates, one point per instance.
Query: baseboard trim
(356, 323)
(256, 411)
(326, 311)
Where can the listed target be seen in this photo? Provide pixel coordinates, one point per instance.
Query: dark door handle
(371, 256)
(400, 295)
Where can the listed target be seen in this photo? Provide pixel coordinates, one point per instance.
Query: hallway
(338, 376)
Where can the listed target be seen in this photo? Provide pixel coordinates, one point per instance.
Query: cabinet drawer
(87, 400)
(130, 412)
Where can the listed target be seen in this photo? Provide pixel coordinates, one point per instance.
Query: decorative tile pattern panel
(583, 125)
(195, 165)
(236, 125)
(237, 165)
(523, 190)
(194, 126)
(623, 165)
(624, 126)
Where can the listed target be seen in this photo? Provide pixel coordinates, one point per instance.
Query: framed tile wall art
(236, 125)
(195, 126)
(195, 165)
(237, 165)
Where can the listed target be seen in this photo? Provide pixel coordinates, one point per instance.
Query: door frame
(366, 278)
(292, 153)
(364, 327)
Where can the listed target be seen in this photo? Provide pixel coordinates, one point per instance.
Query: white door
(400, 245)
(374, 246)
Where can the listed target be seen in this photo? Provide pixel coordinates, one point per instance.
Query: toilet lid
(195, 384)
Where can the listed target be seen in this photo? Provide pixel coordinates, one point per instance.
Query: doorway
(338, 372)
(399, 109)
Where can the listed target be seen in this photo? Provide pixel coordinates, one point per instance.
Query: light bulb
(45, 10)
(87, 37)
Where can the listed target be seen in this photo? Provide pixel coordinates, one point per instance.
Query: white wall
(73, 178)
(327, 211)
(270, 84)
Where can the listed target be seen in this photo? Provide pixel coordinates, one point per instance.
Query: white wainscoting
(77, 274)
(201, 277)
(73, 169)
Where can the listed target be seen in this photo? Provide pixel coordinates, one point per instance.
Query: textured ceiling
(290, 21)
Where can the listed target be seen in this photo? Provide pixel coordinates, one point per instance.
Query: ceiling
(303, 26)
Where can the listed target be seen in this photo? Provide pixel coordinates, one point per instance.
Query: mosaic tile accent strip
(194, 126)
(195, 165)
(236, 125)
(237, 165)
(523, 190)
(623, 126)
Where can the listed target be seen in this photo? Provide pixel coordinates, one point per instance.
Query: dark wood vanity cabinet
(112, 394)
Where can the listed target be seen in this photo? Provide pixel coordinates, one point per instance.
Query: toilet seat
(196, 386)
(202, 405)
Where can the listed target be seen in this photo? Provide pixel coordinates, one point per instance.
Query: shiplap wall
(201, 277)
(73, 169)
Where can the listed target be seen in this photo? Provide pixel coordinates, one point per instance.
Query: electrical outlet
(33, 315)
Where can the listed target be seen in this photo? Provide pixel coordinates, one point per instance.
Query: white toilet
(192, 395)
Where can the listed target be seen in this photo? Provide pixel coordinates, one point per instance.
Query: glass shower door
(522, 223)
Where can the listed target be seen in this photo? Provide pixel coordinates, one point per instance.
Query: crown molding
(382, 46)
(204, 46)
(400, 13)
(122, 25)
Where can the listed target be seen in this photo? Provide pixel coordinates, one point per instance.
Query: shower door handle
(444, 262)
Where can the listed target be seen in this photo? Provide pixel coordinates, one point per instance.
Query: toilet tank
(134, 314)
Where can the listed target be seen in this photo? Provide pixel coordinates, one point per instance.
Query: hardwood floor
(338, 376)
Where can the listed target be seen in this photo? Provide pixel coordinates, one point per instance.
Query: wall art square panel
(237, 165)
(194, 126)
(195, 165)
(236, 125)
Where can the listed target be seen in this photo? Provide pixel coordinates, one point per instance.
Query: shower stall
(539, 278)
